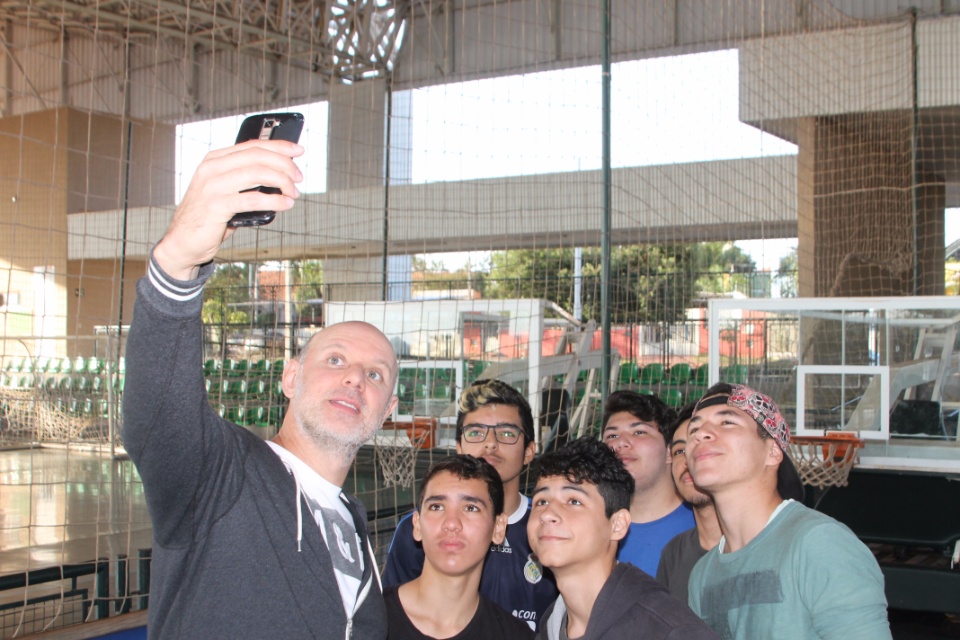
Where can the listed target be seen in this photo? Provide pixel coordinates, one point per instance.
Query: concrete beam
(720, 200)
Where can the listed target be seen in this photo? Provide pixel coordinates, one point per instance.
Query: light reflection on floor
(62, 506)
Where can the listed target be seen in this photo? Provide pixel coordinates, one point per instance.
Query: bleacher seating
(247, 392)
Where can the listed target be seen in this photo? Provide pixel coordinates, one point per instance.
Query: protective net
(455, 195)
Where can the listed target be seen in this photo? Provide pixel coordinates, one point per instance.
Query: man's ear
(289, 379)
(459, 448)
(669, 457)
(529, 451)
(499, 529)
(774, 453)
(619, 525)
(394, 400)
(416, 527)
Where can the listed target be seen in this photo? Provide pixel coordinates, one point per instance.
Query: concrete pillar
(357, 158)
(56, 163)
(864, 227)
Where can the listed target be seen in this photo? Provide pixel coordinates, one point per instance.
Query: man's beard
(342, 445)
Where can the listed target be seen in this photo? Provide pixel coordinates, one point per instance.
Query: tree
(228, 285)
(787, 275)
(649, 283)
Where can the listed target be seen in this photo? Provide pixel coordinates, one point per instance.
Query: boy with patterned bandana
(781, 569)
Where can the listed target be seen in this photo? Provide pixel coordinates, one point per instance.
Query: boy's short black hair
(495, 392)
(589, 460)
(685, 413)
(648, 408)
(467, 468)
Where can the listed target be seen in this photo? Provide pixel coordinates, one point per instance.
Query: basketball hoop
(397, 444)
(825, 461)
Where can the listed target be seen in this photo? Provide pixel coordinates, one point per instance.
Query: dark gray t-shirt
(677, 560)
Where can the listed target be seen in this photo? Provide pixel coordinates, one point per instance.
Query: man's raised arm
(172, 434)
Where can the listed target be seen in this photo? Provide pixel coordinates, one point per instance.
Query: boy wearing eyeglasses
(494, 422)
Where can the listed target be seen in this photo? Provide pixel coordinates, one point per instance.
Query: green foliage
(436, 278)
(649, 283)
(307, 280)
(787, 275)
(229, 284)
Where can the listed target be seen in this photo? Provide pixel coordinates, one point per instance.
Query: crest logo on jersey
(532, 570)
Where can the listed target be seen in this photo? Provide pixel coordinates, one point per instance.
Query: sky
(685, 109)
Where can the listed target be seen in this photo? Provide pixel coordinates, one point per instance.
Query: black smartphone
(266, 126)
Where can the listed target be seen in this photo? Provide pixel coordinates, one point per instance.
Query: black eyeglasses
(504, 433)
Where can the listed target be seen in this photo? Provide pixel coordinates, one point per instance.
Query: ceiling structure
(348, 39)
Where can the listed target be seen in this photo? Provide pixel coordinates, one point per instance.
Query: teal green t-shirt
(805, 576)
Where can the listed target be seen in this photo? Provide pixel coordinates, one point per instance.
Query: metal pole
(111, 414)
(605, 220)
(386, 192)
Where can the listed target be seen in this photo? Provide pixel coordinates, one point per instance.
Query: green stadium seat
(80, 364)
(257, 416)
(96, 385)
(81, 384)
(261, 367)
(276, 415)
(672, 397)
(211, 367)
(233, 388)
(734, 374)
(629, 373)
(94, 366)
(651, 375)
(43, 365)
(679, 374)
(103, 408)
(51, 384)
(442, 392)
(12, 365)
(65, 366)
(235, 368)
(65, 384)
(236, 414)
(701, 377)
(258, 388)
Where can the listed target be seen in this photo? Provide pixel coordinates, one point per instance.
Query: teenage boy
(459, 514)
(494, 422)
(579, 515)
(780, 569)
(681, 553)
(635, 426)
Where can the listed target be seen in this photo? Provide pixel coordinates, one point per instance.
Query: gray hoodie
(631, 605)
(228, 559)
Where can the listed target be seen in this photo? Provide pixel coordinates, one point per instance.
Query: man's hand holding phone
(225, 183)
(267, 126)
